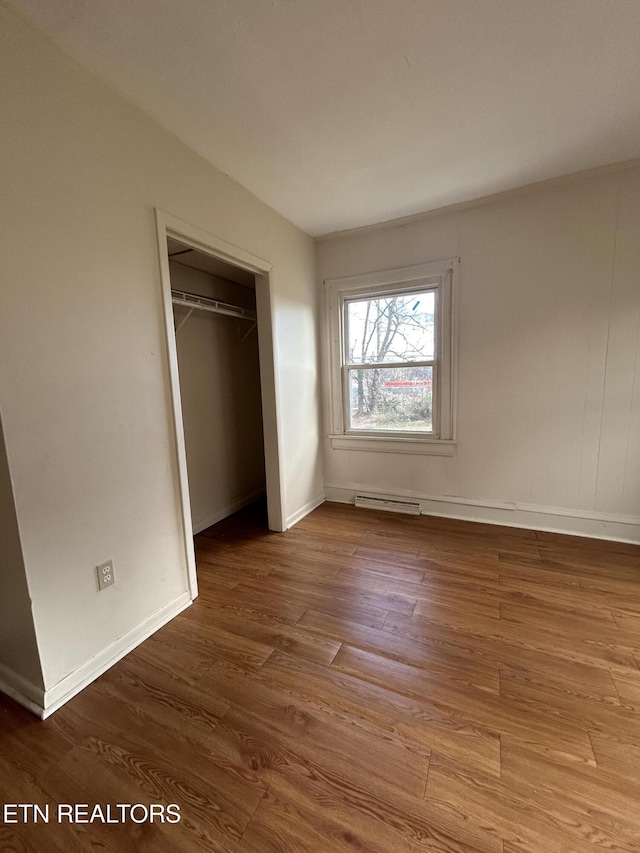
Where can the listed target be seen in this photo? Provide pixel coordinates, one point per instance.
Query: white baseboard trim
(305, 510)
(227, 509)
(77, 680)
(573, 522)
(23, 691)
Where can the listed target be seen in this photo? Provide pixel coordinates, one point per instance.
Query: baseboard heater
(389, 504)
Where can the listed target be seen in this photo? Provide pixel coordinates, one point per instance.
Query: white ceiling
(340, 113)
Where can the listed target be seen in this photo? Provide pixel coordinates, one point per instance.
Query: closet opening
(215, 322)
(220, 347)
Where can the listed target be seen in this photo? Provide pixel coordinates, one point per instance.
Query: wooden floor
(364, 682)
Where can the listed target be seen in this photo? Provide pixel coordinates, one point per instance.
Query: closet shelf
(205, 303)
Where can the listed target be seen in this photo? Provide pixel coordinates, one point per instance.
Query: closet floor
(364, 682)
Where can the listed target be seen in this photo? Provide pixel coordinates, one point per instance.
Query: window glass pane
(391, 398)
(392, 328)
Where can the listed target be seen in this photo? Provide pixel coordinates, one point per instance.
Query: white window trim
(441, 275)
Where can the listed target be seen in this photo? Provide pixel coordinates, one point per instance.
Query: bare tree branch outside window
(398, 331)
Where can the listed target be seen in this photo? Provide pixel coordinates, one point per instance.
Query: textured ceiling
(341, 113)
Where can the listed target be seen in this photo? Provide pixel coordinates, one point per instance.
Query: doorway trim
(169, 226)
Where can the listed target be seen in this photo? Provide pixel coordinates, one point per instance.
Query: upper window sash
(417, 288)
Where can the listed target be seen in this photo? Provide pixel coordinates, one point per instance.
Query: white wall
(84, 378)
(19, 659)
(548, 367)
(220, 391)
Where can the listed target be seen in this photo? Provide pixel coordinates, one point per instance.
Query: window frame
(439, 276)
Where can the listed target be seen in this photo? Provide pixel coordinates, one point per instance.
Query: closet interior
(214, 308)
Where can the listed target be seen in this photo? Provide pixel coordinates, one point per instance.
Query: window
(391, 353)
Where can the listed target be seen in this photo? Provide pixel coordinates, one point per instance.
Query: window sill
(395, 444)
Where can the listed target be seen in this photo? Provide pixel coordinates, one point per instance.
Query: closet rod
(205, 303)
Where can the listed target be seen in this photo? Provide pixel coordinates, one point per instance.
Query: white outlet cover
(106, 576)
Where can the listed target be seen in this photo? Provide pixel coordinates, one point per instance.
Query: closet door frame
(169, 226)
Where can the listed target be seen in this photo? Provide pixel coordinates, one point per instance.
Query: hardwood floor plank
(16, 787)
(629, 625)
(521, 573)
(511, 812)
(554, 692)
(366, 608)
(212, 642)
(306, 541)
(471, 707)
(372, 822)
(461, 566)
(315, 731)
(510, 547)
(28, 744)
(408, 716)
(573, 647)
(216, 795)
(330, 745)
(431, 593)
(459, 825)
(267, 631)
(331, 589)
(290, 819)
(185, 664)
(362, 682)
(396, 646)
(75, 782)
(283, 610)
(359, 568)
(617, 754)
(567, 706)
(546, 601)
(477, 597)
(166, 699)
(592, 797)
(562, 619)
(628, 688)
(388, 557)
(494, 651)
(287, 823)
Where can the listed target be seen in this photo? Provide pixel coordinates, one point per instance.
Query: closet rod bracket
(184, 319)
(248, 332)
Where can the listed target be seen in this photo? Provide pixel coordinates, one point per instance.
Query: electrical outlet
(105, 575)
